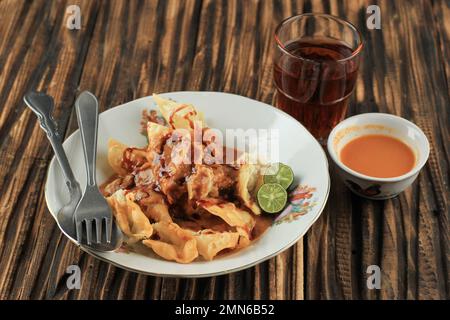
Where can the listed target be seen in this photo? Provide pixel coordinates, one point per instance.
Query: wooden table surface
(130, 49)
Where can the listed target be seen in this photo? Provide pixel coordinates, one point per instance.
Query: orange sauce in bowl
(379, 156)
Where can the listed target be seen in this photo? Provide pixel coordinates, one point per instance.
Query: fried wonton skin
(201, 183)
(171, 174)
(174, 243)
(134, 159)
(144, 176)
(153, 204)
(157, 135)
(115, 156)
(210, 243)
(178, 115)
(124, 160)
(228, 212)
(109, 188)
(129, 216)
(247, 184)
(244, 239)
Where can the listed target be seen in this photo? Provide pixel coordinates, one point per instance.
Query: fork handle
(42, 105)
(86, 107)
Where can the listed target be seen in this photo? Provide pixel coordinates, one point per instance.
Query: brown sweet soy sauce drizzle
(187, 116)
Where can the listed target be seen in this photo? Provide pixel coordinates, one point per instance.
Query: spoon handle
(87, 115)
(42, 105)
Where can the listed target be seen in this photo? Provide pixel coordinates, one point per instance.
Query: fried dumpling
(178, 115)
(228, 212)
(210, 243)
(119, 182)
(233, 216)
(248, 180)
(129, 216)
(115, 156)
(174, 243)
(153, 204)
(124, 160)
(200, 184)
(156, 134)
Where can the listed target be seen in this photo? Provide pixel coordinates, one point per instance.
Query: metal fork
(92, 210)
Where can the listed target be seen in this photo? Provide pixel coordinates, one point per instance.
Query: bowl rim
(341, 125)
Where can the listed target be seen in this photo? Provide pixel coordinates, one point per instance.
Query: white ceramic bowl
(222, 111)
(378, 123)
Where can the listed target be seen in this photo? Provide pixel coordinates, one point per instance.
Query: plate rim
(192, 275)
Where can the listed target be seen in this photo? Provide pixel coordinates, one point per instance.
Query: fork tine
(88, 231)
(98, 229)
(108, 229)
(79, 227)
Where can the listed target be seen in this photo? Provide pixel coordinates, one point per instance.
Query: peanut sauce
(378, 156)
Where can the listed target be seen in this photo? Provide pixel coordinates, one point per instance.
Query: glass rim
(281, 46)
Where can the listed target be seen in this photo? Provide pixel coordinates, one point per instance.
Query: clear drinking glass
(316, 64)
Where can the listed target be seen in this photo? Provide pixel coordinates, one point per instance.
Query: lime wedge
(272, 197)
(284, 176)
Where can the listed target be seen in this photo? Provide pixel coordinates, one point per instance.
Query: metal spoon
(42, 105)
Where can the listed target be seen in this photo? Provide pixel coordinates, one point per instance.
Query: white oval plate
(298, 149)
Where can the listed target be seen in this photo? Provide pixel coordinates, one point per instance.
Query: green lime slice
(284, 176)
(272, 197)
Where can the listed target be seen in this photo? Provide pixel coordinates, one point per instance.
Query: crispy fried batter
(233, 216)
(210, 243)
(153, 204)
(174, 243)
(200, 184)
(129, 216)
(247, 183)
(115, 156)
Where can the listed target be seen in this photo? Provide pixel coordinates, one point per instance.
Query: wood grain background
(129, 49)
